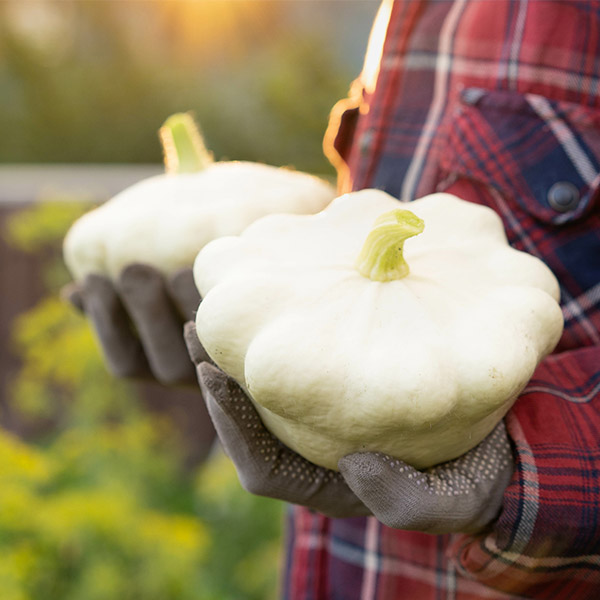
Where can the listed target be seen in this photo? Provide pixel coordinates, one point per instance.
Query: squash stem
(382, 256)
(183, 147)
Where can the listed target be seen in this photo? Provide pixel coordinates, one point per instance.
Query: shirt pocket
(543, 156)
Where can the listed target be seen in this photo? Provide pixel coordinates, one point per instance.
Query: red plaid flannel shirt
(497, 102)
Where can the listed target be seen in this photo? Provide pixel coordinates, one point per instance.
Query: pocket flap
(545, 154)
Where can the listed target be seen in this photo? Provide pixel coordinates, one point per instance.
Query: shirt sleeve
(549, 527)
(548, 530)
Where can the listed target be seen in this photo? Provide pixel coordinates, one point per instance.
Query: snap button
(563, 196)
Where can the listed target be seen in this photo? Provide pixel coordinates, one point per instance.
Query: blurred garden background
(104, 490)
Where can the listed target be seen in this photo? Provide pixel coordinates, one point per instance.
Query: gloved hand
(139, 319)
(264, 465)
(463, 495)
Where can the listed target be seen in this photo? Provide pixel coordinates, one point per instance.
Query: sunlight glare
(370, 70)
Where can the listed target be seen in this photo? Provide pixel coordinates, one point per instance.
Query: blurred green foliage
(93, 81)
(98, 505)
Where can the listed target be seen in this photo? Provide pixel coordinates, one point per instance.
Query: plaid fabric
(496, 102)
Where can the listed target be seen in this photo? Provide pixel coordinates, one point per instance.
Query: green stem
(183, 147)
(381, 257)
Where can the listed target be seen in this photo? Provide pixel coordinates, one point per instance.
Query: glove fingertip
(100, 286)
(72, 293)
(362, 465)
(212, 379)
(195, 349)
(189, 332)
(183, 291)
(139, 272)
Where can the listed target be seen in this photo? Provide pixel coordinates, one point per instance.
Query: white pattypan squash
(165, 220)
(344, 346)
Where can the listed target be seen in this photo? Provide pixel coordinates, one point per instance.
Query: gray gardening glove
(138, 321)
(264, 465)
(463, 495)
